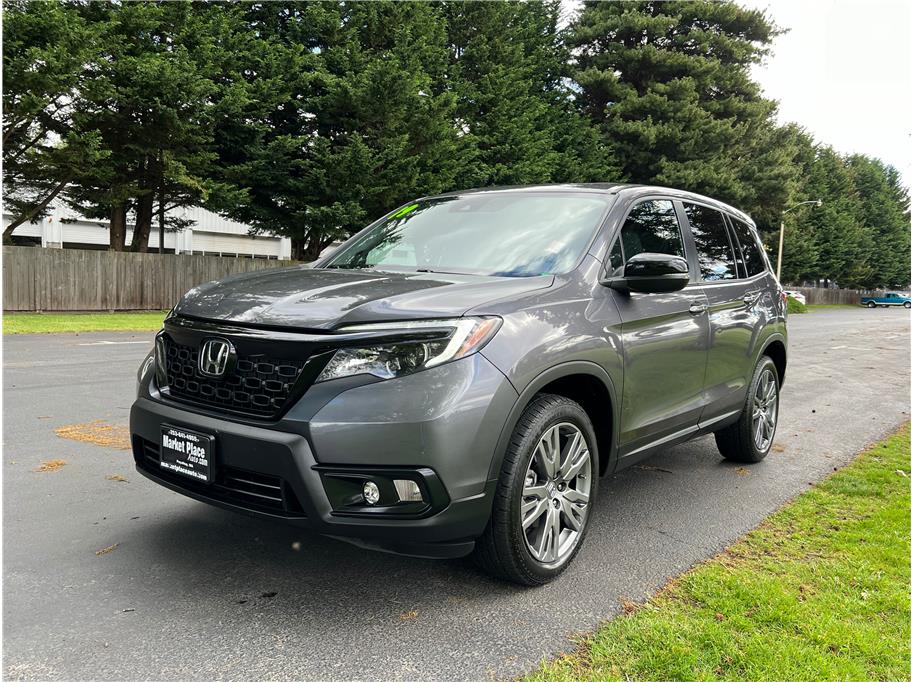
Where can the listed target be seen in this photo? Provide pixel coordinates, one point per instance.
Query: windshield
(509, 234)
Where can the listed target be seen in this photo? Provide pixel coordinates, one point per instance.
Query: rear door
(731, 297)
(664, 336)
(737, 333)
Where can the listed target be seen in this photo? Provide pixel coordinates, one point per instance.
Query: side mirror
(652, 273)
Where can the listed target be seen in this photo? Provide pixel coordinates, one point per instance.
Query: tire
(740, 442)
(528, 556)
(907, 305)
(872, 304)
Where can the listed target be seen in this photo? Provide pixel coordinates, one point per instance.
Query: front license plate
(186, 452)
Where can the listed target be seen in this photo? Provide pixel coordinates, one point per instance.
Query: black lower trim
(343, 488)
(238, 486)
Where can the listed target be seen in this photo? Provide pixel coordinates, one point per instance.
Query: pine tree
(508, 70)
(361, 121)
(669, 83)
(149, 94)
(45, 46)
(884, 208)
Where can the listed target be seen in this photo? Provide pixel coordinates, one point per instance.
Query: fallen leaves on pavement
(107, 550)
(97, 432)
(52, 465)
(408, 615)
(628, 606)
(116, 477)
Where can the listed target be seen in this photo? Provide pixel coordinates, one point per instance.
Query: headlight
(444, 340)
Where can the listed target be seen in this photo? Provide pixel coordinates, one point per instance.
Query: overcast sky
(844, 72)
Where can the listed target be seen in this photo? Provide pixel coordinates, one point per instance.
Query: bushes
(795, 306)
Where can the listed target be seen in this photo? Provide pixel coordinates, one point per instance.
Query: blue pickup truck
(886, 300)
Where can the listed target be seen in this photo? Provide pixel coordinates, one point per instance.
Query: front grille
(258, 385)
(248, 489)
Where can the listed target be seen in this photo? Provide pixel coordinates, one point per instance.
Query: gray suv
(455, 378)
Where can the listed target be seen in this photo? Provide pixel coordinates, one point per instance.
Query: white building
(209, 234)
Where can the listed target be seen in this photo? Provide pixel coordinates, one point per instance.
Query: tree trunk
(28, 215)
(307, 250)
(118, 227)
(144, 212)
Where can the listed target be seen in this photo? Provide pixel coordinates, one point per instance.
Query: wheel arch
(775, 350)
(587, 384)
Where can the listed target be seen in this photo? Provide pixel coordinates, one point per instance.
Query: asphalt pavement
(190, 591)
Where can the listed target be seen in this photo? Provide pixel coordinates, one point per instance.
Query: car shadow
(209, 554)
(210, 557)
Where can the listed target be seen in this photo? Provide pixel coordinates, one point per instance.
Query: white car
(797, 295)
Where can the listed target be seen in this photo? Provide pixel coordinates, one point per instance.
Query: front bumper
(439, 426)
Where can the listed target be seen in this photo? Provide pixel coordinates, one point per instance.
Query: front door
(664, 337)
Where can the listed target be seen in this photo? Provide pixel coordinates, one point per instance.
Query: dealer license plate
(186, 452)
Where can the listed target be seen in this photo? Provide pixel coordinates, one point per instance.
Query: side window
(754, 262)
(616, 259)
(714, 250)
(652, 227)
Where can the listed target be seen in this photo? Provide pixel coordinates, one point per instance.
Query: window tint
(753, 256)
(714, 250)
(652, 227)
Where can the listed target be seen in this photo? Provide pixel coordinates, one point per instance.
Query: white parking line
(111, 343)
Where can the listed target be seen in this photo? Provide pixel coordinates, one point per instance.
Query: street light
(816, 202)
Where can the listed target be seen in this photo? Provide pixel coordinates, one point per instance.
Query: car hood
(324, 299)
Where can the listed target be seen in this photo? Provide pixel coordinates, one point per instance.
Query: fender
(775, 336)
(533, 387)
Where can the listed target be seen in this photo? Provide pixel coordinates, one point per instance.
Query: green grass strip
(56, 323)
(820, 591)
(832, 306)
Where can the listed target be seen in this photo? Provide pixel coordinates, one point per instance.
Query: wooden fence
(70, 279)
(816, 296)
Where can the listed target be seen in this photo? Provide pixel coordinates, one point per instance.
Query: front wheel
(907, 305)
(749, 439)
(544, 497)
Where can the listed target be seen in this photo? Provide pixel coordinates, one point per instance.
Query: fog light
(408, 491)
(371, 492)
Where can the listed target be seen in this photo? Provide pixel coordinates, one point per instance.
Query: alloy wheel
(555, 497)
(765, 410)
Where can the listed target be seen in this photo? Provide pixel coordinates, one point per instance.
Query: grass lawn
(820, 591)
(48, 323)
(828, 306)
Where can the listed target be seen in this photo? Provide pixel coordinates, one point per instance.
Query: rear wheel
(749, 439)
(547, 485)
(872, 304)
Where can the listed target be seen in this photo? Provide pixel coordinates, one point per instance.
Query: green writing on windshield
(403, 211)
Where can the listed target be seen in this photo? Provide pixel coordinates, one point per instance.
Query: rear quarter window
(754, 262)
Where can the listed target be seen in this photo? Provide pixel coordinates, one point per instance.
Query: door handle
(697, 307)
(751, 297)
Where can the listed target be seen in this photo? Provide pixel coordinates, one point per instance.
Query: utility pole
(161, 205)
(816, 202)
